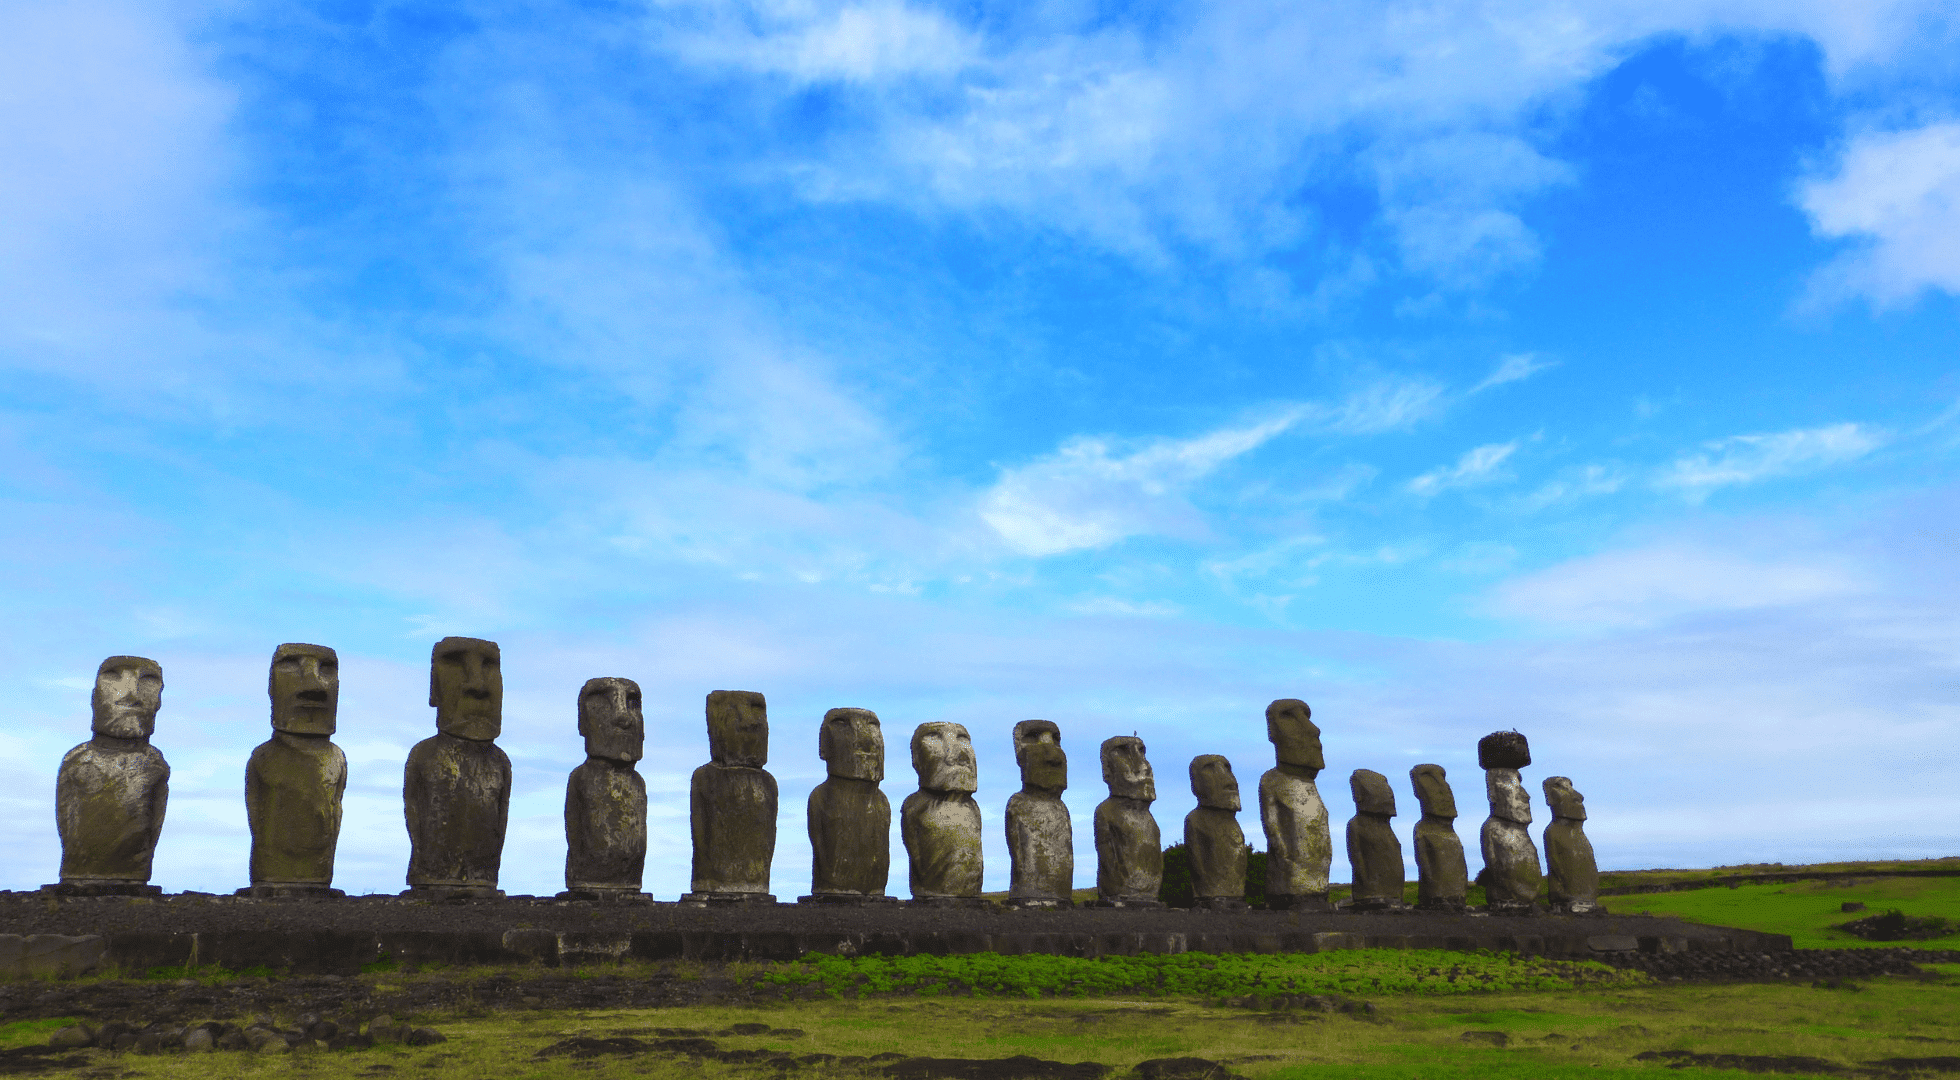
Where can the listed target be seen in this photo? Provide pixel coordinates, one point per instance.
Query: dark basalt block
(1503, 750)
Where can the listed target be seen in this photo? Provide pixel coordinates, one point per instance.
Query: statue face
(852, 743)
(1213, 783)
(1296, 741)
(1125, 769)
(738, 729)
(128, 693)
(1508, 798)
(305, 688)
(609, 717)
(1433, 791)
(942, 755)
(1038, 750)
(1564, 799)
(466, 686)
(1372, 795)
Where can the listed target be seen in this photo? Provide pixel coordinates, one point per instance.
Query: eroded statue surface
(295, 781)
(732, 804)
(1572, 872)
(1299, 845)
(940, 822)
(1442, 877)
(111, 791)
(605, 797)
(1511, 873)
(1129, 846)
(1373, 849)
(1212, 835)
(850, 819)
(1040, 837)
(456, 784)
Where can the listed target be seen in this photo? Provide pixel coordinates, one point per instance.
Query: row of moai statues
(112, 790)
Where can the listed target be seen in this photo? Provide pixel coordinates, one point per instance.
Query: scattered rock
(1486, 1038)
(1019, 1067)
(424, 1037)
(1182, 1068)
(1898, 926)
(1753, 1063)
(71, 1038)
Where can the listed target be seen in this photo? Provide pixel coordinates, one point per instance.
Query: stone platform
(40, 934)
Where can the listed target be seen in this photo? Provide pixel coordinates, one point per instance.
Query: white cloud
(851, 42)
(1479, 465)
(1743, 459)
(1898, 195)
(1513, 368)
(1576, 483)
(1650, 585)
(1383, 405)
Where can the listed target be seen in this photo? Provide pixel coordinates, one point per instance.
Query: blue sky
(1590, 369)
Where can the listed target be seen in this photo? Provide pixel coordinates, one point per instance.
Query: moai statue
(456, 785)
(295, 780)
(940, 822)
(605, 798)
(1573, 872)
(1040, 838)
(111, 790)
(1299, 846)
(1213, 838)
(732, 804)
(1441, 876)
(1129, 847)
(850, 819)
(1511, 873)
(1373, 851)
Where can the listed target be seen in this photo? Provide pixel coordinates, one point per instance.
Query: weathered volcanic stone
(940, 822)
(1373, 849)
(850, 819)
(456, 784)
(294, 781)
(1574, 873)
(1442, 878)
(1129, 846)
(1503, 750)
(732, 803)
(111, 791)
(1299, 845)
(1511, 874)
(605, 798)
(1212, 835)
(1040, 837)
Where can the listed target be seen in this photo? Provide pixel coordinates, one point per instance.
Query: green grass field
(1808, 910)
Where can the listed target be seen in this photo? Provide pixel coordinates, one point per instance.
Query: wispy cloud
(1480, 465)
(1514, 368)
(1648, 585)
(1897, 196)
(1744, 459)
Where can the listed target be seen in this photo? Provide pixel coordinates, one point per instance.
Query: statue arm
(159, 801)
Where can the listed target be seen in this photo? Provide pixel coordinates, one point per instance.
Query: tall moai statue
(1129, 847)
(940, 822)
(1373, 850)
(1572, 872)
(456, 785)
(732, 804)
(605, 798)
(1442, 878)
(1299, 845)
(850, 818)
(295, 780)
(1212, 837)
(1040, 837)
(111, 791)
(1511, 874)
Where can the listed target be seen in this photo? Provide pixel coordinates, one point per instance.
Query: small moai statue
(1299, 845)
(1040, 837)
(1213, 838)
(111, 791)
(456, 784)
(732, 804)
(1511, 874)
(1442, 878)
(850, 818)
(1572, 871)
(1129, 846)
(606, 798)
(940, 822)
(295, 780)
(1373, 850)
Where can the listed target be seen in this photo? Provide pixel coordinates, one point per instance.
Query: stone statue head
(128, 693)
(305, 686)
(942, 755)
(1295, 738)
(1213, 783)
(1508, 798)
(1372, 795)
(466, 686)
(610, 719)
(1503, 750)
(1126, 770)
(1433, 791)
(852, 744)
(738, 729)
(1564, 799)
(1038, 750)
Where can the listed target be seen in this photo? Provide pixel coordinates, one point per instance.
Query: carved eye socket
(288, 664)
(148, 679)
(452, 658)
(329, 667)
(633, 698)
